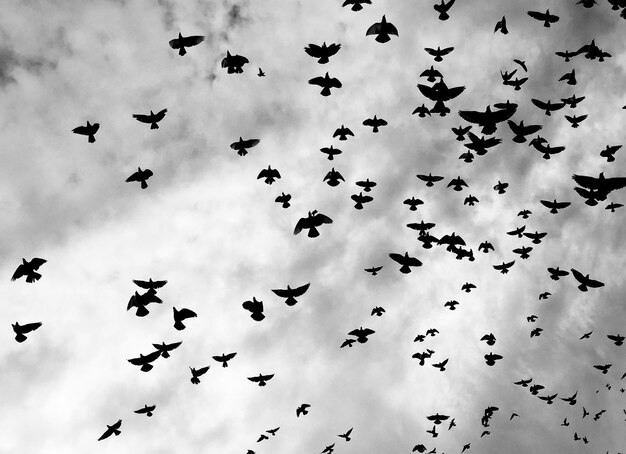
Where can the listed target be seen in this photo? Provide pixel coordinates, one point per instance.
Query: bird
(430, 179)
(367, 185)
(262, 437)
(489, 338)
(291, 293)
(470, 200)
(432, 331)
(575, 120)
(443, 8)
(147, 410)
(442, 365)
(536, 237)
(165, 349)
(534, 389)
(149, 284)
(326, 82)
(346, 435)
(152, 119)
(570, 400)
(536, 332)
(465, 447)
(517, 83)
(618, 339)
(485, 247)
(555, 206)
(195, 373)
(525, 214)
(569, 77)
(382, 30)
(89, 130)
(517, 232)
(501, 188)
(181, 315)
(532, 318)
(491, 358)
(141, 176)
(255, 308)
(373, 270)
(547, 106)
(549, 399)
(457, 184)
(329, 449)
(261, 73)
(433, 432)
(557, 273)
(604, 368)
(140, 301)
(234, 63)
(566, 55)
(431, 74)
(283, 199)
(451, 304)
(185, 41)
(422, 111)
(565, 423)
(348, 343)
(601, 186)
(361, 334)
(413, 203)
(613, 206)
(323, 52)
(270, 175)
(481, 144)
(546, 17)
(331, 152)
(438, 53)
(585, 281)
(544, 295)
(360, 199)
(311, 222)
(521, 130)
(378, 311)
(521, 63)
(523, 383)
(113, 429)
(523, 251)
(501, 26)
(224, 358)
(29, 269)
(145, 360)
(356, 4)
(489, 119)
(406, 261)
(302, 410)
(609, 152)
(375, 123)
(437, 418)
(20, 330)
(504, 268)
(506, 76)
(467, 287)
(460, 132)
(261, 379)
(241, 146)
(342, 133)
(586, 335)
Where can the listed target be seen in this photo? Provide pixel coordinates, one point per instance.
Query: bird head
(384, 20)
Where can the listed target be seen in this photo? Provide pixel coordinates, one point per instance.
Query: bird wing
(374, 29)
(201, 371)
(611, 184)
(333, 49)
(320, 219)
(186, 313)
(143, 118)
(588, 182)
(28, 327)
(397, 258)
(266, 377)
(446, 51)
(318, 81)
(301, 224)
(314, 51)
(189, 41)
(134, 177)
(20, 271)
(299, 291)
(159, 115)
(536, 15)
(250, 143)
(390, 29)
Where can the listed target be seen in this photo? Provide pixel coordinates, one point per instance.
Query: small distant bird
(536, 332)
(438, 53)
(261, 73)
(575, 120)
(113, 429)
(451, 304)
(437, 418)
(521, 130)
(360, 199)
(604, 368)
(152, 119)
(343, 132)
(234, 63)
(165, 349)
(585, 413)
(565, 423)
(261, 379)
(20, 330)
(501, 187)
(419, 448)
(470, 200)
(585, 281)
(329, 449)
(433, 432)
(356, 4)
(430, 179)
(311, 222)
(546, 17)
(283, 199)
(517, 83)
(569, 77)
(491, 358)
(442, 365)
(452, 424)
(460, 132)
(521, 63)
(140, 301)
(513, 415)
(467, 287)
(557, 273)
(224, 358)
(382, 30)
(291, 293)
(140, 176)
(586, 335)
(255, 308)
(195, 373)
(374, 270)
(375, 123)
(270, 175)
(544, 295)
(367, 185)
(241, 146)
(149, 284)
(485, 247)
(378, 311)
(536, 237)
(517, 232)
(523, 251)
(501, 26)
(432, 331)
(523, 383)
(489, 338)
(524, 214)
(506, 76)
(549, 399)
(361, 334)
(181, 315)
(534, 389)
(323, 52)
(326, 82)
(532, 318)
(422, 111)
(618, 339)
(443, 8)
(147, 410)
(572, 101)
(145, 360)
(504, 268)
(609, 152)
(346, 436)
(29, 269)
(302, 410)
(89, 130)
(457, 184)
(406, 261)
(413, 203)
(348, 343)
(465, 447)
(613, 206)
(567, 55)
(331, 152)
(570, 400)
(431, 74)
(185, 41)
(548, 107)
(555, 206)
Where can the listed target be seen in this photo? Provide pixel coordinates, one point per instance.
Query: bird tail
(554, 211)
(165, 354)
(142, 311)
(225, 364)
(242, 152)
(323, 60)
(33, 277)
(195, 380)
(147, 367)
(358, 206)
(144, 185)
(384, 37)
(405, 269)
(182, 51)
(290, 301)
(325, 91)
(313, 232)
(582, 287)
(117, 432)
(92, 139)
(444, 16)
(154, 126)
(286, 205)
(357, 7)
(262, 383)
(20, 337)
(375, 129)
(178, 325)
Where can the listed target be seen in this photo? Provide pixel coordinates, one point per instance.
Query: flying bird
(555, 206)
(152, 119)
(261, 379)
(547, 106)
(224, 358)
(485, 247)
(367, 185)
(382, 30)
(430, 179)
(609, 152)
(20, 330)
(234, 63)
(413, 203)
(196, 373)
(145, 360)
(431, 74)
(270, 175)
(521, 130)
(165, 349)
(461, 131)
(89, 130)
(360, 199)
(557, 273)
(361, 334)
(378, 311)
(374, 270)
(302, 410)
(569, 78)
(575, 120)
(441, 366)
(618, 339)
(113, 429)
(342, 133)
(406, 261)
(489, 119)
(443, 8)
(546, 17)
(585, 281)
(29, 269)
(261, 73)
(181, 315)
(291, 293)
(501, 26)
(489, 338)
(457, 184)
(357, 5)
(326, 83)
(331, 152)
(504, 268)
(146, 410)
(241, 146)
(255, 308)
(439, 53)
(140, 176)
(375, 123)
(501, 188)
(185, 41)
(311, 222)
(346, 435)
(323, 52)
(491, 358)
(283, 199)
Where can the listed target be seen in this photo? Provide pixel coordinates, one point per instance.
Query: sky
(212, 229)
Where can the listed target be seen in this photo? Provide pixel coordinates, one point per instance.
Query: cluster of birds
(592, 189)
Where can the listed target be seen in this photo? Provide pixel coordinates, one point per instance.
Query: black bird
(224, 358)
(517, 83)
(569, 77)
(185, 41)
(149, 284)
(432, 331)
(437, 418)
(542, 146)
(360, 199)
(600, 186)
(604, 368)
(523, 383)
(570, 400)
(525, 214)
(586, 335)
(140, 301)
(481, 144)
(311, 222)
(367, 185)
(521, 131)
(29, 269)
(556, 273)
(536, 332)
(195, 373)
(534, 389)
(382, 30)
(89, 130)
(291, 293)
(145, 360)
(441, 366)
(422, 111)
(461, 131)
(575, 120)
(422, 227)
(406, 261)
(356, 4)
(451, 304)
(165, 349)
(111, 430)
(489, 338)
(546, 17)
(504, 268)
(618, 339)
(489, 119)
(378, 311)
(544, 295)
(147, 410)
(270, 175)
(532, 318)
(613, 206)
(470, 200)
(152, 119)
(342, 133)
(361, 334)
(419, 448)
(439, 53)
(261, 379)
(609, 152)
(501, 188)
(261, 73)
(323, 52)
(181, 315)
(555, 206)
(585, 281)
(457, 184)
(331, 152)
(465, 447)
(430, 179)
(536, 237)
(549, 399)
(413, 203)
(523, 251)
(521, 63)
(255, 308)
(346, 436)
(374, 270)
(234, 63)
(485, 246)
(348, 343)
(302, 410)
(565, 423)
(548, 106)
(467, 287)
(423, 356)
(20, 330)
(283, 199)
(567, 55)
(141, 176)
(440, 92)
(374, 123)
(433, 432)
(491, 358)
(326, 83)
(443, 8)
(501, 26)
(427, 240)
(517, 232)
(241, 146)
(506, 76)
(587, 3)
(431, 73)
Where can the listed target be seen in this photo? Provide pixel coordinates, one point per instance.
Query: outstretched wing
(189, 41)
(27, 328)
(134, 177)
(374, 29)
(143, 118)
(320, 219)
(314, 51)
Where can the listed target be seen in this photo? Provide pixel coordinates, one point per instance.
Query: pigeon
(555, 206)
(89, 130)
(165, 349)
(331, 152)
(140, 176)
(291, 293)
(586, 335)
(374, 270)
(224, 358)
(441, 366)
(311, 222)
(360, 199)
(485, 247)
(460, 132)
(467, 287)
(375, 123)
(302, 410)
(569, 77)
(140, 301)
(566, 55)
(255, 308)
(457, 184)
(451, 304)
(406, 261)
(367, 185)
(382, 30)
(356, 4)
(261, 379)
(348, 343)
(504, 268)
(185, 41)
(548, 107)
(261, 73)
(470, 200)
(323, 52)
(570, 400)
(489, 338)
(413, 203)
(575, 120)
(443, 8)
(535, 237)
(20, 330)
(604, 368)
(422, 111)
(609, 152)
(346, 436)
(572, 101)
(517, 232)
(145, 360)
(195, 373)
(241, 146)
(149, 284)
(491, 358)
(556, 273)
(521, 130)
(523, 251)
(147, 410)
(152, 119)
(439, 53)
(361, 334)
(430, 179)
(283, 199)
(501, 26)
(326, 83)
(270, 175)
(585, 281)
(234, 63)
(549, 399)
(618, 339)
(113, 429)
(431, 74)
(546, 17)
(29, 269)
(501, 188)
(181, 315)
(536, 332)
(342, 133)
(378, 311)
(437, 418)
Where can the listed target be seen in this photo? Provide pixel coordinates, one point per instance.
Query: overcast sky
(209, 227)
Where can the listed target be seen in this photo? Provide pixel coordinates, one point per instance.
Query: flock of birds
(485, 124)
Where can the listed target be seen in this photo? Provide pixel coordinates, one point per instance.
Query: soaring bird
(618, 339)
(546, 17)
(437, 418)
(451, 304)
(356, 4)
(234, 63)
(523, 251)
(609, 152)
(261, 73)
(504, 268)
(360, 199)
(270, 175)
(326, 83)
(406, 261)
(361, 334)
(331, 152)
(555, 206)
(255, 308)
(491, 358)
(439, 53)
(323, 52)
(457, 184)
(185, 41)
(374, 270)
(291, 293)
(570, 400)
(20, 330)
(261, 379)
(146, 410)
(430, 179)
(461, 131)
(442, 365)
(501, 26)
(375, 123)
(489, 338)
(140, 176)
(145, 360)
(501, 187)
(367, 185)
(140, 301)
(311, 222)
(241, 146)
(333, 178)
(548, 106)
(29, 269)
(378, 311)
(165, 349)
(302, 410)
(485, 246)
(517, 83)
(536, 237)
(382, 30)
(149, 284)
(549, 399)
(521, 130)
(413, 203)
(342, 133)
(152, 119)
(600, 186)
(536, 332)
(566, 55)
(224, 358)
(556, 273)
(431, 74)
(196, 373)
(422, 227)
(443, 8)
(467, 287)
(346, 436)
(518, 232)
(604, 368)
(575, 120)
(489, 119)
(113, 429)
(422, 111)
(585, 281)
(181, 315)
(283, 199)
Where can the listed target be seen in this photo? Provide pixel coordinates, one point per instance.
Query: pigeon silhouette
(89, 130)
(234, 63)
(181, 315)
(29, 269)
(182, 42)
(323, 52)
(113, 429)
(224, 358)
(241, 146)
(21, 330)
(196, 373)
(382, 30)
(291, 293)
(140, 176)
(151, 119)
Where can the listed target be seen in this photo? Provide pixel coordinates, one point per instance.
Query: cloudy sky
(209, 227)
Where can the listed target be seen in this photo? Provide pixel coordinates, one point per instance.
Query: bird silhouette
(433, 432)
(291, 293)
(375, 123)
(261, 73)
(501, 188)
(569, 78)
(536, 237)
(413, 203)
(21, 330)
(382, 30)
(547, 106)
(146, 410)
(140, 301)
(604, 368)
(531, 319)
(224, 358)
(326, 82)
(557, 273)
(422, 111)
(331, 152)
(457, 184)
(548, 399)
(378, 311)
(609, 152)
(485, 247)
(406, 261)
(521, 130)
(570, 400)
(523, 251)
(467, 287)
(460, 132)
(196, 373)
(302, 410)
(438, 53)
(311, 222)
(360, 199)
(566, 55)
(140, 176)
(165, 349)
(283, 199)
(536, 332)
(374, 270)
(113, 429)
(367, 185)
(323, 52)
(348, 343)
(185, 41)
(489, 338)
(430, 179)
(89, 130)
(241, 146)
(145, 360)
(470, 200)
(443, 8)
(555, 206)
(451, 304)
(585, 282)
(504, 268)
(270, 175)
(544, 295)
(501, 26)
(261, 379)
(343, 133)
(181, 315)
(518, 232)
(357, 5)
(437, 418)
(255, 308)
(491, 358)
(546, 17)
(575, 120)
(346, 435)
(618, 339)
(441, 366)
(586, 335)
(29, 269)
(431, 74)
(234, 63)
(151, 119)
(361, 334)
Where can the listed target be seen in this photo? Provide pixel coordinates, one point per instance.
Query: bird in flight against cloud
(375, 123)
(554, 205)
(501, 26)
(333, 178)
(302, 410)
(21, 330)
(382, 30)
(29, 269)
(373, 270)
(357, 5)
(241, 146)
(441, 366)
(261, 379)
(283, 199)
(361, 334)
(224, 358)
(234, 63)
(165, 349)
(140, 301)
(342, 133)
(557, 273)
(439, 53)
(89, 130)
(326, 82)
(546, 17)
(360, 199)
(145, 360)
(255, 308)
(406, 261)
(113, 429)
(331, 152)
(504, 268)
(443, 8)
(270, 175)
(346, 435)
(182, 315)
(585, 281)
(196, 373)
(323, 52)
(182, 42)
(291, 293)
(140, 176)
(146, 410)
(151, 119)
(311, 222)
(430, 179)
